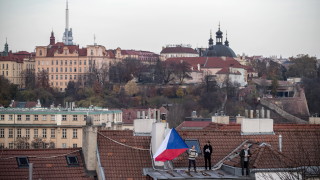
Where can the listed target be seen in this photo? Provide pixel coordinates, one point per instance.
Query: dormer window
(193, 142)
(72, 160)
(40, 53)
(23, 162)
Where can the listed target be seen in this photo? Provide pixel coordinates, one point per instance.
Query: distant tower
(226, 43)
(210, 40)
(6, 49)
(52, 39)
(67, 35)
(219, 36)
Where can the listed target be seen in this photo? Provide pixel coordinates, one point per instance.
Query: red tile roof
(122, 162)
(193, 125)
(58, 47)
(12, 57)
(226, 70)
(47, 164)
(178, 49)
(301, 143)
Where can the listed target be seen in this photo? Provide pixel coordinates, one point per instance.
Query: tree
(29, 79)
(303, 66)
(131, 88)
(42, 80)
(180, 92)
(182, 71)
(274, 86)
(8, 91)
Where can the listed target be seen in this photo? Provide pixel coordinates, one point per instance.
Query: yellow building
(56, 127)
(14, 66)
(65, 63)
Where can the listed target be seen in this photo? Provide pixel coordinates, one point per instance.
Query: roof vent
(256, 126)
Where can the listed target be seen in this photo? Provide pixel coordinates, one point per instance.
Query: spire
(226, 43)
(210, 40)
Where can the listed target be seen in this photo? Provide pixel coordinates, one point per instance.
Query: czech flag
(171, 147)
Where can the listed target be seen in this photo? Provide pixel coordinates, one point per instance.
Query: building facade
(16, 66)
(65, 63)
(51, 128)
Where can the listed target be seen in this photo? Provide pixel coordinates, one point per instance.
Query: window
(57, 69)
(79, 69)
(27, 133)
(66, 77)
(53, 133)
(70, 76)
(57, 62)
(64, 117)
(27, 117)
(64, 145)
(19, 117)
(80, 62)
(66, 62)
(1, 145)
(74, 145)
(35, 133)
(18, 133)
(36, 117)
(44, 117)
(27, 145)
(10, 117)
(85, 62)
(70, 69)
(61, 69)
(195, 142)
(23, 161)
(10, 145)
(75, 77)
(61, 62)
(75, 133)
(51, 145)
(61, 77)
(44, 133)
(2, 117)
(51, 77)
(75, 117)
(52, 62)
(66, 69)
(10, 133)
(64, 133)
(56, 76)
(75, 62)
(1, 133)
(72, 160)
(52, 69)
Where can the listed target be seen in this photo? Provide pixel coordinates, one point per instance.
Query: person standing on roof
(245, 155)
(192, 158)
(207, 151)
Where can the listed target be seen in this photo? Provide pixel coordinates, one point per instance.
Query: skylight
(195, 142)
(72, 160)
(23, 161)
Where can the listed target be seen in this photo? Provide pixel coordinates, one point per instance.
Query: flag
(171, 147)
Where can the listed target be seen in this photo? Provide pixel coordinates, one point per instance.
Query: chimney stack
(89, 147)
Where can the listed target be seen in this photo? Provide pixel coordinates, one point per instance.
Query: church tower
(67, 35)
(52, 39)
(226, 43)
(219, 36)
(6, 49)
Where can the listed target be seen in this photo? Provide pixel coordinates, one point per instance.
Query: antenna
(94, 39)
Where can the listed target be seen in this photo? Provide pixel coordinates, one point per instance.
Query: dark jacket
(242, 155)
(205, 148)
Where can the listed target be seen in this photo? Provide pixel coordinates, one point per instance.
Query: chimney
(257, 113)
(268, 114)
(257, 126)
(149, 113)
(138, 114)
(280, 142)
(89, 146)
(157, 136)
(246, 114)
(251, 114)
(143, 115)
(262, 112)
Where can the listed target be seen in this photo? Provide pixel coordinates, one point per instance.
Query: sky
(255, 27)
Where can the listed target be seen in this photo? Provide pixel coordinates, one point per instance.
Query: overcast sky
(255, 27)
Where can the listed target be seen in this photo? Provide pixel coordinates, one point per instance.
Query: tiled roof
(58, 47)
(178, 49)
(28, 104)
(226, 70)
(122, 162)
(193, 125)
(47, 164)
(12, 57)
